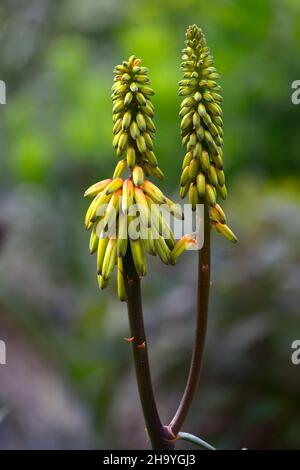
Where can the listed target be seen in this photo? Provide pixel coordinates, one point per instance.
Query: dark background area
(69, 380)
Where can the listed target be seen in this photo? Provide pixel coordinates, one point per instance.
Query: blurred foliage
(57, 58)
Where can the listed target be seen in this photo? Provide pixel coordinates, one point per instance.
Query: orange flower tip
(190, 239)
(130, 340)
(142, 345)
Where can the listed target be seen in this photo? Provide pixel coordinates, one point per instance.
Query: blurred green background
(69, 380)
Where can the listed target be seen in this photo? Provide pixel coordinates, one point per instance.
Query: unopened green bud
(200, 133)
(214, 132)
(218, 161)
(125, 77)
(210, 195)
(212, 175)
(192, 141)
(148, 110)
(141, 122)
(133, 87)
(116, 140)
(221, 177)
(151, 158)
(197, 96)
(128, 98)
(187, 102)
(138, 175)
(117, 126)
(196, 120)
(123, 141)
(187, 160)
(217, 214)
(141, 144)
(120, 168)
(126, 120)
(201, 110)
(197, 150)
(142, 78)
(185, 110)
(149, 124)
(156, 171)
(134, 130)
(225, 230)
(215, 109)
(118, 106)
(130, 156)
(193, 196)
(201, 184)
(148, 141)
(183, 190)
(193, 169)
(141, 99)
(205, 161)
(223, 191)
(217, 97)
(146, 90)
(184, 176)
(186, 121)
(213, 76)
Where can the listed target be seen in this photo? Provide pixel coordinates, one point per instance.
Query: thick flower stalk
(130, 205)
(203, 175)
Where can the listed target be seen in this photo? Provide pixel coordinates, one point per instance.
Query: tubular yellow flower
(202, 129)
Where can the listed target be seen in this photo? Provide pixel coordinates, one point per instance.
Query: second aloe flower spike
(203, 175)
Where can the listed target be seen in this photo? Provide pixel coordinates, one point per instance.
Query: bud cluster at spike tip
(133, 128)
(133, 140)
(202, 130)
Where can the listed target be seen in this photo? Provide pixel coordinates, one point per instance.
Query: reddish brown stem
(202, 312)
(158, 434)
